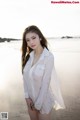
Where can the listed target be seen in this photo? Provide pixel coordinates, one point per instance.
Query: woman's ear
(40, 39)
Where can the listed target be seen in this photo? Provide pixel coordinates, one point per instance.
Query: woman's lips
(33, 45)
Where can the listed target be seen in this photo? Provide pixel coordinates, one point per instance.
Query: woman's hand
(31, 104)
(33, 108)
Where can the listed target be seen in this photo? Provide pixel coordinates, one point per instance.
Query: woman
(41, 86)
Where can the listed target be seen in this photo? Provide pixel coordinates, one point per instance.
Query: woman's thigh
(45, 116)
(33, 114)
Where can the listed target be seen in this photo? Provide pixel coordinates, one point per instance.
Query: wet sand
(12, 92)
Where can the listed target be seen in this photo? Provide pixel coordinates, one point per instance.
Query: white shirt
(41, 81)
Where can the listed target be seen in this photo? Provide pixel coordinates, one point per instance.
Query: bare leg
(33, 114)
(45, 116)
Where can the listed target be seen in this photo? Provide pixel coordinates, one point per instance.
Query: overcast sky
(52, 19)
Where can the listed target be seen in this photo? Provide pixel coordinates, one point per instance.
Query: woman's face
(33, 40)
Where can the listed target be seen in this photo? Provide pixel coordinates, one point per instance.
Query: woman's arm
(25, 88)
(45, 82)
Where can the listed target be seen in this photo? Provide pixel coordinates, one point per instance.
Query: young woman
(41, 86)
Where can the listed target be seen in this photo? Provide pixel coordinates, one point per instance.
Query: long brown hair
(26, 49)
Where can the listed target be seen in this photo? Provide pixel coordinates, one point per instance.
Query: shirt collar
(44, 53)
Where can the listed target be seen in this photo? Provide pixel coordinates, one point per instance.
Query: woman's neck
(38, 51)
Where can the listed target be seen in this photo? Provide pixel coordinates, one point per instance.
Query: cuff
(26, 95)
(37, 106)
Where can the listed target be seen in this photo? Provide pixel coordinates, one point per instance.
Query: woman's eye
(34, 37)
(27, 40)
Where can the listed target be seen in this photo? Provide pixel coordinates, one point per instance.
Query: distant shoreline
(8, 39)
(14, 39)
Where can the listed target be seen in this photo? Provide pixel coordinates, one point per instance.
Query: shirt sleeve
(45, 82)
(25, 88)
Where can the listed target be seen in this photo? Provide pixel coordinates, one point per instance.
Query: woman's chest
(36, 71)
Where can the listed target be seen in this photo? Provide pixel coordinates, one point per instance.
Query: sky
(53, 20)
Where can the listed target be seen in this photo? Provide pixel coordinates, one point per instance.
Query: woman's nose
(31, 42)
